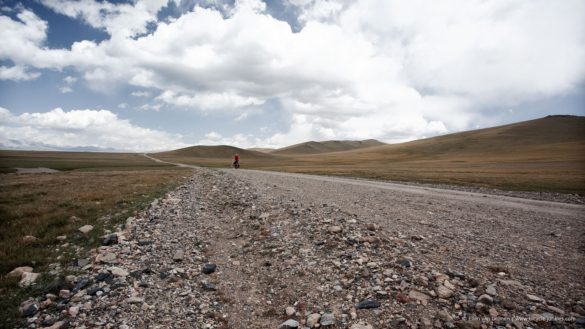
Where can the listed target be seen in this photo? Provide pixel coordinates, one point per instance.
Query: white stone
(85, 229)
(19, 271)
(73, 311)
(335, 229)
(491, 290)
(289, 324)
(28, 278)
(533, 298)
(313, 319)
(290, 311)
(118, 271)
(444, 292)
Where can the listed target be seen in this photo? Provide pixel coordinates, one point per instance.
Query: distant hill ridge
(549, 137)
(313, 147)
(544, 138)
(215, 151)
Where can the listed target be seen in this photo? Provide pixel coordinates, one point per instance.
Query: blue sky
(161, 74)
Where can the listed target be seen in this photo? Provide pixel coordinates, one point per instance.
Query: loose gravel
(247, 249)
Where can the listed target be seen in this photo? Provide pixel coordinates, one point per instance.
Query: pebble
(65, 294)
(104, 276)
(335, 229)
(107, 258)
(209, 287)
(208, 268)
(290, 311)
(118, 271)
(29, 238)
(367, 304)
(327, 319)
(405, 262)
(401, 298)
(81, 283)
(29, 308)
(178, 256)
(313, 320)
(443, 292)
(361, 325)
(110, 239)
(135, 300)
(19, 271)
(289, 324)
(73, 311)
(28, 279)
(86, 229)
(491, 290)
(417, 295)
(534, 298)
(486, 299)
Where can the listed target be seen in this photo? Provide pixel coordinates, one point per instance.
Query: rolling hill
(214, 152)
(546, 154)
(553, 138)
(325, 147)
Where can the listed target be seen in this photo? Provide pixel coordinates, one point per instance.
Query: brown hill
(551, 138)
(542, 154)
(214, 152)
(325, 147)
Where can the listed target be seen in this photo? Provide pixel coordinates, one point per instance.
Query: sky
(151, 75)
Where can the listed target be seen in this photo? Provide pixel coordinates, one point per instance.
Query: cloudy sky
(159, 74)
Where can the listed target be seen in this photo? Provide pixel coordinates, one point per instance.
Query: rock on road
(253, 249)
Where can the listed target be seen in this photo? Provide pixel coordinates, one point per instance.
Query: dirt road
(337, 253)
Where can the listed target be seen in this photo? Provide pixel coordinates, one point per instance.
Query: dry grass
(49, 205)
(66, 161)
(43, 205)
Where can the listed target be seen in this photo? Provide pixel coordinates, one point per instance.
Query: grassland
(97, 189)
(540, 155)
(67, 161)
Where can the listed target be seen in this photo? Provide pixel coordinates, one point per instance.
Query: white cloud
(208, 101)
(70, 80)
(140, 94)
(17, 73)
(119, 20)
(81, 128)
(214, 138)
(385, 69)
(65, 89)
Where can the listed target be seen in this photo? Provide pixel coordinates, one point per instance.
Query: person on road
(236, 161)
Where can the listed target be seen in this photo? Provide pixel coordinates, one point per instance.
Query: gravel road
(253, 249)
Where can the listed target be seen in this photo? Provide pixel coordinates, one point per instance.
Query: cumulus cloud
(387, 69)
(238, 140)
(101, 129)
(118, 20)
(17, 73)
(208, 101)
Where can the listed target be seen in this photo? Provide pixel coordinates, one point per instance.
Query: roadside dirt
(333, 253)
